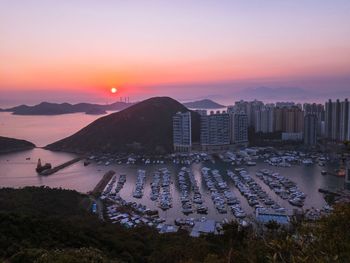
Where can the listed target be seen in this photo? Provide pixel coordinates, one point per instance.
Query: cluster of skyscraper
(218, 130)
(306, 122)
(293, 121)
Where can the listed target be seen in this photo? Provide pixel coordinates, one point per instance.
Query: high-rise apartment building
(284, 104)
(265, 119)
(201, 112)
(337, 120)
(278, 119)
(252, 107)
(182, 134)
(328, 119)
(318, 110)
(248, 107)
(348, 137)
(215, 129)
(344, 120)
(239, 128)
(310, 129)
(293, 120)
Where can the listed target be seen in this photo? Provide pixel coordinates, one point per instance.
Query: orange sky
(90, 46)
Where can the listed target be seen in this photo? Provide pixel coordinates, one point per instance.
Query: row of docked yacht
(190, 195)
(155, 186)
(216, 195)
(221, 195)
(165, 199)
(252, 191)
(197, 196)
(121, 182)
(282, 186)
(279, 161)
(288, 158)
(185, 195)
(229, 197)
(140, 184)
(188, 158)
(149, 161)
(131, 214)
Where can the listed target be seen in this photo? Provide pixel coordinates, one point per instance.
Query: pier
(60, 167)
(102, 183)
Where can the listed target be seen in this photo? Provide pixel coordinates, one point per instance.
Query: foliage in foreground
(52, 225)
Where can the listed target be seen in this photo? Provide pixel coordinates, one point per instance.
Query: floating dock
(59, 167)
(102, 183)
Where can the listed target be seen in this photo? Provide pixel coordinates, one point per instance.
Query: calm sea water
(18, 169)
(43, 130)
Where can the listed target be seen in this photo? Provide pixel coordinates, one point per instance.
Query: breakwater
(60, 167)
(102, 183)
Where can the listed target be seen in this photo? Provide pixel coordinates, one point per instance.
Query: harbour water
(43, 130)
(18, 170)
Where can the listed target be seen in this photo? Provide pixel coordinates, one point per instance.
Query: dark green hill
(12, 145)
(143, 127)
(38, 224)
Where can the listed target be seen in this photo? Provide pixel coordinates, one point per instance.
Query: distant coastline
(48, 108)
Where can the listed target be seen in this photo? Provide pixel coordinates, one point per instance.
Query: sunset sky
(77, 50)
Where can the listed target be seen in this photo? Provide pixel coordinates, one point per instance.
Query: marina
(162, 186)
(249, 193)
(283, 187)
(254, 194)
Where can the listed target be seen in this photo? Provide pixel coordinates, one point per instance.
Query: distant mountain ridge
(12, 145)
(48, 108)
(203, 104)
(145, 127)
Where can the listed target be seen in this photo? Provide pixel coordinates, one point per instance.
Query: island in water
(48, 108)
(12, 145)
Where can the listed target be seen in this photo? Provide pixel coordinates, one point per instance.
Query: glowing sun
(114, 90)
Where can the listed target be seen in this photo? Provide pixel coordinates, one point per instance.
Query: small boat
(86, 163)
(323, 172)
(296, 202)
(187, 211)
(180, 222)
(202, 210)
(307, 162)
